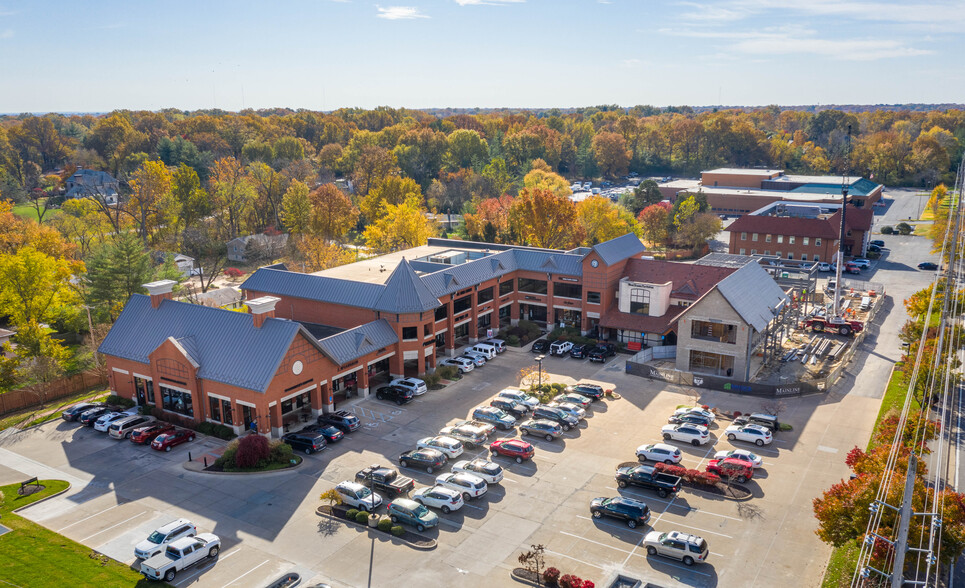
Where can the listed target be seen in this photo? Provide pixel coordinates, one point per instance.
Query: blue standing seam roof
(620, 248)
(405, 292)
(362, 340)
(226, 345)
(321, 288)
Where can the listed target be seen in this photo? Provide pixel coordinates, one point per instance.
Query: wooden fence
(39, 394)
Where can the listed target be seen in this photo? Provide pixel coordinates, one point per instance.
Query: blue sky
(326, 54)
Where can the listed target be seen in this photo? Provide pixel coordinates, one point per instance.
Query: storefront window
(144, 389)
(462, 304)
(593, 297)
(214, 404)
(640, 301)
(533, 286)
(505, 287)
(226, 410)
(484, 295)
(442, 312)
(178, 401)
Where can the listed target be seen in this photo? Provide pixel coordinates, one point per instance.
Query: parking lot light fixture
(539, 373)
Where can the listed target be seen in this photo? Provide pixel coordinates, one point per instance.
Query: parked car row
(175, 547)
(127, 424)
(595, 353)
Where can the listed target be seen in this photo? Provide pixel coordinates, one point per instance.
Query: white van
(485, 348)
(499, 344)
(866, 303)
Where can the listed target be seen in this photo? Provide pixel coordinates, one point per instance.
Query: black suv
(73, 413)
(591, 391)
(579, 351)
(541, 346)
(396, 394)
(557, 416)
(632, 511)
(601, 352)
(307, 442)
(343, 420)
(765, 420)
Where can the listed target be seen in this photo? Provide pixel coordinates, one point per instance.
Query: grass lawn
(28, 211)
(841, 566)
(36, 415)
(33, 556)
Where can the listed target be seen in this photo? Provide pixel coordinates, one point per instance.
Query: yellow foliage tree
(392, 190)
(602, 220)
(541, 178)
(403, 225)
(543, 219)
(318, 254)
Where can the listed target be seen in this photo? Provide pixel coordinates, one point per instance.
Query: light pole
(539, 370)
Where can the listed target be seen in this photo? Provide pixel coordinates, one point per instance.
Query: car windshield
(420, 511)
(157, 537)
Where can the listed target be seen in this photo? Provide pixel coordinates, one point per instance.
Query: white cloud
(6, 34)
(846, 50)
(632, 62)
(933, 14)
(488, 2)
(399, 13)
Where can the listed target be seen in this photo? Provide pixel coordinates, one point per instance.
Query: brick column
(451, 336)
(316, 398)
(397, 363)
(363, 382)
(274, 418)
(473, 319)
(514, 313)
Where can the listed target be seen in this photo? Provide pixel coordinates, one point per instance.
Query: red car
(514, 448)
(168, 440)
(734, 469)
(144, 435)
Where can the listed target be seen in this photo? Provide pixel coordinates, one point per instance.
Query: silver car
(687, 548)
(541, 428)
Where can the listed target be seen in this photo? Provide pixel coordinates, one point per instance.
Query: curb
(523, 580)
(199, 469)
(434, 544)
(44, 499)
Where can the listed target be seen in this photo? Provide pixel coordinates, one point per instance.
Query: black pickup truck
(386, 480)
(646, 476)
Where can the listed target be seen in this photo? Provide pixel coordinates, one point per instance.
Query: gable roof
(362, 340)
(310, 287)
(753, 294)
(690, 281)
(616, 250)
(405, 292)
(226, 345)
(785, 225)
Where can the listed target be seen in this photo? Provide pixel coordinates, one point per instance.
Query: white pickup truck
(180, 555)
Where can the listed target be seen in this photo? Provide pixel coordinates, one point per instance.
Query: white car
(445, 499)
(696, 410)
(499, 344)
(561, 348)
(414, 385)
(486, 428)
(693, 434)
(463, 364)
(470, 486)
(861, 262)
(104, 422)
(491, 473)
(519, 396)
(659, 452)
(570, 409)
(750, 433)
(742, 455)
(358, 496)
(157, 541)
(450, 447)
(824, 266)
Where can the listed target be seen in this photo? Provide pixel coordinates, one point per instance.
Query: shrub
(351, 513)
(397, 530)
(588, 584)
(227, 459)
(785, 427)
(512, 340)
(119, 401)
(252, 449)
(281, 452)
(887, 230)
(431, 379)
(692, 475)
(571, 581)
(206, 428)
(385, 524)
(362, 517)
(673, 470)
(707, 479)
(904, 228)
(551, 576)
(224, 432)
(332, 496)
(447, 372)
(233, 272)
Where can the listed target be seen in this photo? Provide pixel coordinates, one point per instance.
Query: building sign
(490, 333)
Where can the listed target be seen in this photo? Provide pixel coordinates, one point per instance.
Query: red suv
(514, 448)
(733, 469)
(144, 435)
(168, 440)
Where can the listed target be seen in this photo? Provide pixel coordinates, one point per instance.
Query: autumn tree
(296, 209)
(270, 186)
(402, 226)
(540, 218)
(82, 223)
(601, 220)
(192, 201)
(466, 148)
(17, 233)
(232, 196)
(333, 214)
(498, 176)
(317, 254)
(393, 190)
(151, 205)
(611, 153)
(490, 220)
(644, 195)
(654, 223)
(373, 166)
(541, 178)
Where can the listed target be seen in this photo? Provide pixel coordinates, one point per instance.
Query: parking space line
(248, 572)
(229, 554)
(574, 559)
(703, 530)
(596, 542)
(615, 526)
(112, 526)
(664, 561)
(62, 529)
(688, 508)
(199, 570)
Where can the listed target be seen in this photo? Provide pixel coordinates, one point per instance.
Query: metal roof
(405, 292)
(354, 343)
(545, 261)
(320, 288)
(754, 295)
(620, 248)
(226, 345)
(452, 278)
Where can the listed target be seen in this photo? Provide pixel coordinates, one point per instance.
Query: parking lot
(268, 525)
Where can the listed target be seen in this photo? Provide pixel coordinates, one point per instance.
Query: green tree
(644, 195)
(394, 190)
(498, 176)
(34, 286)
(232, 196)
(402, 226)
(193, 202)
(116, 271)
(466, 149)
(296, 208)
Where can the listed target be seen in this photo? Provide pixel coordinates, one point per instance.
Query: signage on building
(490, 333)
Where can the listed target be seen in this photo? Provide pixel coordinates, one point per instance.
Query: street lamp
(539, 366)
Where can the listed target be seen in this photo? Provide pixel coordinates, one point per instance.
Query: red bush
(551, 576)
(588, 584)
(673, 470)
(233, 272)
(251, 450)
(692, 475)
(707, 479)
(571, 581)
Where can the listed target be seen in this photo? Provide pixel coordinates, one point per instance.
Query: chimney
(160, 290)
(262, 309)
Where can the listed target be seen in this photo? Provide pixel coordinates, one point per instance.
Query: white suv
(414, 385)
(358, 496)
(693, 434)
(519, 396)
(561, 348)
(750, 433)
(158, 540)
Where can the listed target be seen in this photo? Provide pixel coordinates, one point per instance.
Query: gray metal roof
(718, 259)
(226, 345)
(310, 287)
(754, 295)
(554, 263)
(354, 343)
(620, 248)
(405, 292)
(456, 277)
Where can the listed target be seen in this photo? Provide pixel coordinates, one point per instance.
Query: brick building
(806, 232)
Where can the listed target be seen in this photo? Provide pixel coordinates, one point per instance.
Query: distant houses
(258, 247)
(88, 183)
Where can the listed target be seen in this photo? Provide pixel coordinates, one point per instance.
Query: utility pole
(904, 521)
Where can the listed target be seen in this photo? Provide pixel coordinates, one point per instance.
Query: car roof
(348, 485)
(405, 502)
(182, 542)
(174, 525)
(686, 537)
